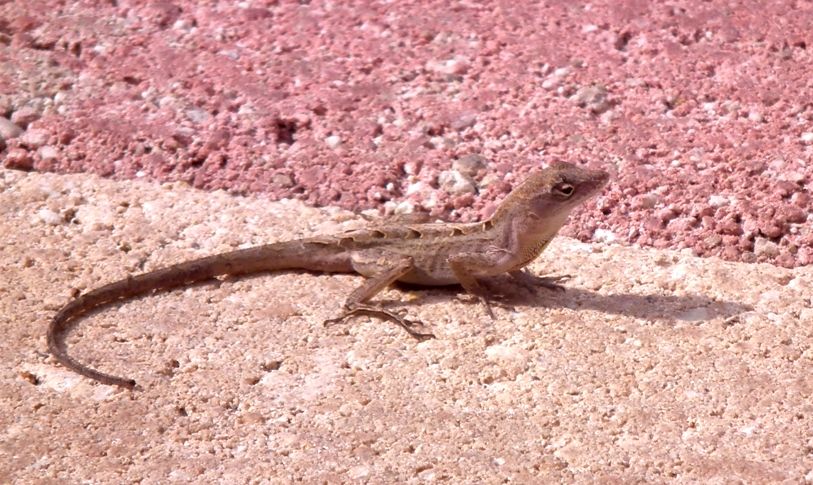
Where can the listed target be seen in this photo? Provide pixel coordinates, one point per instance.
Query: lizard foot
(374, 311)
(533, 282)
(491, 300)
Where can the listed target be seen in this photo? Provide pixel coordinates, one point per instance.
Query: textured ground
(702, 109)
(653, 366)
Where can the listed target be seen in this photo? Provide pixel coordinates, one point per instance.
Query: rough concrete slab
(653, 366)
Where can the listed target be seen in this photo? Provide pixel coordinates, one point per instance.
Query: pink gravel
(702, 110)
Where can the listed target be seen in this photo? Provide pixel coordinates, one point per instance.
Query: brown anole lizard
(428, 254)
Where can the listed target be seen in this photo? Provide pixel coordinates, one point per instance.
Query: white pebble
(49, 217)
(333, 141)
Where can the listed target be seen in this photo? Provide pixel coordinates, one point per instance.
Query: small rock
(456, 66)
(455, 182)
(682, 224)
(60, 97)
(430, 201)
(34, 138)
(282, 180)
(561, 71)
(8, 130)
(748, 257)
(19, 159)
(404, 207)
(713, 240)
(756, 117)
(66, 135)
(717, 200)
(412, 167)
(778, 165)
(666, 214)
(791, 214)
(729, 226)
(707, 222)
(594, 98)
(731, 107)
(6, 105)
(49, 217)
(750, 225)
(644, 201)
(652, 223)
(490, 179)
(551, 82)
(470, 164)
(765, 248)
(710, 107)
(800, 199)
(358, 472)
(465, 120)
(463, 201)
(807, 138)
(197, 115)
(439, 142)
(785, 188)
(731, 253)
(333, 141)
(25, 116)
(48, 153)
(604, 235)
(786, 260)
(795, 176)
(419, 187)
(698, 211)
(771, 230)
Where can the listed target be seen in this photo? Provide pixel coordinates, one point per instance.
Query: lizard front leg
(356, 303)
(460, 267)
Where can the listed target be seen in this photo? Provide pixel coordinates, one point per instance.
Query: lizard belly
(419, 276)
(432, 271)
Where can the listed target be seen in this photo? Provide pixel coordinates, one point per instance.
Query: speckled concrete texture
(654, 366)
(703, 109)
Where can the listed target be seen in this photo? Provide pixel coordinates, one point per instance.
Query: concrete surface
(654, 366)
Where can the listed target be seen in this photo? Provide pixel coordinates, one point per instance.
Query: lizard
(426, 254)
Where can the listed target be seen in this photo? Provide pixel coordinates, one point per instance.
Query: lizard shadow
(647, 307)
(693, 307)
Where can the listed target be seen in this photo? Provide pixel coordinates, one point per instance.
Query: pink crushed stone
(702, 111)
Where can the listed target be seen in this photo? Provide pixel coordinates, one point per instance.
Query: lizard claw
(533, 282)
(487, 304)
(374, 311)
(490, 301)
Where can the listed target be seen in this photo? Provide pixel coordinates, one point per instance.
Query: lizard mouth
(600, 177)
(593, 181)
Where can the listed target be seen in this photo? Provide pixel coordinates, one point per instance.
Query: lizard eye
(563, 189)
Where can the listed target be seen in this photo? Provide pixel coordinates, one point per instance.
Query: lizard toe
(378, 312)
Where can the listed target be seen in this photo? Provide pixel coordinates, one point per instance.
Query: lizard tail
(312, 255)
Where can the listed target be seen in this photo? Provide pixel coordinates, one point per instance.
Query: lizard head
(553, 192)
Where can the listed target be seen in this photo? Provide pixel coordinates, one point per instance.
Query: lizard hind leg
(356, 303)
